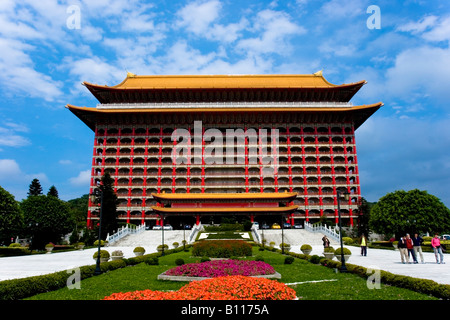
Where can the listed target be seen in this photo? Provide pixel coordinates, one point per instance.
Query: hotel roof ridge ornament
(318, 73)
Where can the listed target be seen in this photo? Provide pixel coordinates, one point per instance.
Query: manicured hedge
(222, 248)
(425, 286)
(14, 251)
(17, 289)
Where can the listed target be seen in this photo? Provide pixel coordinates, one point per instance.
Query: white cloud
(83, 178)
(9, 136)
(420, 26)
(10, 172)
(273, 29)
(197, 16)
(17, 72)
(420, 72)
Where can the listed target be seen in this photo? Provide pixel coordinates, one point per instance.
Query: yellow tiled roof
(132, 81)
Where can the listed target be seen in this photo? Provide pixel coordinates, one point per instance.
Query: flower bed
(221, 268)
(221, 288)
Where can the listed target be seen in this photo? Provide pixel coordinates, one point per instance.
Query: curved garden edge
(162, 276)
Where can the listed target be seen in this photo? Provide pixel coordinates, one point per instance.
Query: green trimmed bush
(346, 251)
(288, 260)
(347, 240)
(222, 248)
(179, 262)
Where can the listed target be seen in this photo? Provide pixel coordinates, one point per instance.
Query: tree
(109, 207)
(47, 219)
(363, 220)
(35, 188)
(402, 212)
(11, 217)
(53, 192)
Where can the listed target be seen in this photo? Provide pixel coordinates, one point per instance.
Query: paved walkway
(388, 260)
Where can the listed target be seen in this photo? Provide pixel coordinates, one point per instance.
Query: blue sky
(47, 48)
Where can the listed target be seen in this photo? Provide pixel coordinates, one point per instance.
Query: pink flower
(220, 268)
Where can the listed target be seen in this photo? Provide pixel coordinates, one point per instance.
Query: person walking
(436, 244)
(410, 247)
(326, 242)
(402, 248)
(417, 240)
(363, 244)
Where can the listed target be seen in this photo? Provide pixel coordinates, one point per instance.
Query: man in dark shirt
(417, 240)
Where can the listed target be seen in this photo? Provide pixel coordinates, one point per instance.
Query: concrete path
(388, 260)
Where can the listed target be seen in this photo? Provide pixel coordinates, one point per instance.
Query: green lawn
(142, 276)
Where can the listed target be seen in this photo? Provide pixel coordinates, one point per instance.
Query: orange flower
(220, 288)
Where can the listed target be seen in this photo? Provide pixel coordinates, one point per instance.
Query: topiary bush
(346, 251)
(179, 262)
(314, 259)
(347, 240)
(288, 260)
(222, 248)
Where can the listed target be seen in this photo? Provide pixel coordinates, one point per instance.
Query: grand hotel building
(153, 135)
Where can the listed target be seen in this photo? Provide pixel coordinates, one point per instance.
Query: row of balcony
(268, 143)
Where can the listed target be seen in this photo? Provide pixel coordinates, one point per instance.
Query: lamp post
(162, 234)
(93, 197)
(346, 195)
(282, 233)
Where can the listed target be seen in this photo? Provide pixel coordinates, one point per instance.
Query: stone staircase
(295, 237)
(152, 238)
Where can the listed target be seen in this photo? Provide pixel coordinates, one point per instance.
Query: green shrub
(288, 260)
(14, 251)
(151, 261)
(346, 251)
(222, 248)
(259, 258)
(347, 240)
(205, 259)
(305, 247)
(329, 249)
(14, 245)
(179, 262)
(314, 259)
(139, 249)
(102, 243)
(103, 254)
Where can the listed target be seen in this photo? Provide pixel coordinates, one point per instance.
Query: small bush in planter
(139, 251)
(346, 251)
(288, 260)
(103, 254)
(285, 245)
(329, 250)
(160, 247)
(102, 243)
(175, 244)
(306, 249)
(117, 253)
(179, 262)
